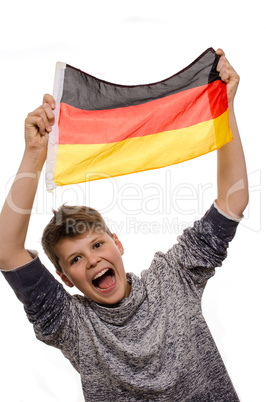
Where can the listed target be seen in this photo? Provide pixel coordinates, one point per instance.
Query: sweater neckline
(119, 313)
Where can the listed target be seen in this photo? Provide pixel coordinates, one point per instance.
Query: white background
(134, 42)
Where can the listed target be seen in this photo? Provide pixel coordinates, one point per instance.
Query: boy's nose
(93, 260)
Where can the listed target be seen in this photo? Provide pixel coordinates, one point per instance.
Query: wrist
(34, 160)
(231, 109)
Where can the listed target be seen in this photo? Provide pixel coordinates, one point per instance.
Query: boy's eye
(76, 259)
(98, 244)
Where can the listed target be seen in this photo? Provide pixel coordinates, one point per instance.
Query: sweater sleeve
(205, 244)
(203, 247)
(48, 305)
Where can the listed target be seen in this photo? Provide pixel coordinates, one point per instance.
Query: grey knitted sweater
(154, 345)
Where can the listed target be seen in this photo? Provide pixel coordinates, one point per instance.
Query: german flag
(105, 130)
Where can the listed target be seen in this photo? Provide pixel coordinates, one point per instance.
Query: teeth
(104, 290)
(100, 274)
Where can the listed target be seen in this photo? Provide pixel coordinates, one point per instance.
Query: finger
(225, 77)
(36, 121)
(223, 69)
(49, 113)
(42, 113)
(50, 100)
(222, 59)
(45, 111)
(220, 52)
(41, 120)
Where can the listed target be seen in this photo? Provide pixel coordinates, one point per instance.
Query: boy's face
(92, 262)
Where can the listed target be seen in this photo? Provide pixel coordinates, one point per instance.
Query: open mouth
(104, 280)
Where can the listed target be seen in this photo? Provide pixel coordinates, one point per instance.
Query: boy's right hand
(38, 125)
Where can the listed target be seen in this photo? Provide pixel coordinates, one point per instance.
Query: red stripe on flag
(176, 111)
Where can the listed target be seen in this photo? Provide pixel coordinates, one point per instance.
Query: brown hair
(70, 221)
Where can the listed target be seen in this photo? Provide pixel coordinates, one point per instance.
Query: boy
(129, 338)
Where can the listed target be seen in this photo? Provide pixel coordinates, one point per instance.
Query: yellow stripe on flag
(81, 162)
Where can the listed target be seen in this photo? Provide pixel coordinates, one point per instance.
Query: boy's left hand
(228, 75)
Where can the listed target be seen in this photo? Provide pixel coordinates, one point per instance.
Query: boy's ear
(65, 279)
(118, 244)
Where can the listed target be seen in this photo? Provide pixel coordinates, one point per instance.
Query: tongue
(105, 281)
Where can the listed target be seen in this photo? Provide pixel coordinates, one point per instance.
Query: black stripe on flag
(83, 91)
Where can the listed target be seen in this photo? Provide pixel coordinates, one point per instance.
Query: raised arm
(16, 212)
(232, 179)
